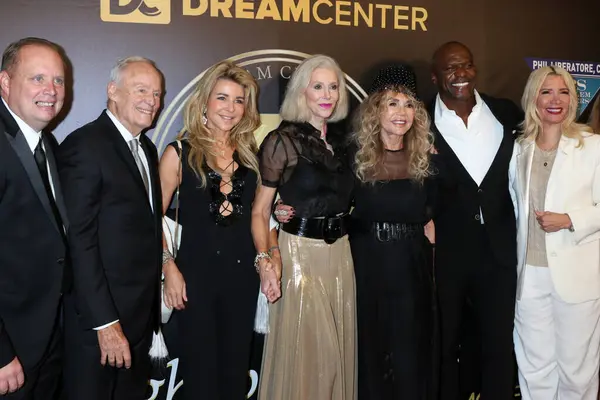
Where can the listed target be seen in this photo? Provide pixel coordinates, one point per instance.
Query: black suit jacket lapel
(17, 140)
(123, 152)
(58, 194)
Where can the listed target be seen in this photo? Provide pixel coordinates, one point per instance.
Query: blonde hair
(241, 137)
(595, 116)
(532, 125)
(418, 141)
(294, 106)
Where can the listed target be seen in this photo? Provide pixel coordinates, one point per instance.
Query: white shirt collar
(32, 137)
(441, 109)
(127, 136)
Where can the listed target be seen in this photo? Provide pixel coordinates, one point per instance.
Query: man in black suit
(475, 222)
(109, 171)
(32, 221)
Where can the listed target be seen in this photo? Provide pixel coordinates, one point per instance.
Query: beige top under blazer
(573, 188)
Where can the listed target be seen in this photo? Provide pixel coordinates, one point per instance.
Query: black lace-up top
(210, 240)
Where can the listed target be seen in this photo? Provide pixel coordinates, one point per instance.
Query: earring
(204, 119)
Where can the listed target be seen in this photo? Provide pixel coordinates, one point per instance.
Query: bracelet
(271, 249)
(167, 256)
(260, 256)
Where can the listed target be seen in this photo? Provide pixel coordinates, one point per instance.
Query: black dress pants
(490, 286)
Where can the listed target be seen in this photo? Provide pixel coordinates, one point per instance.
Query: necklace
(547, 155)
(220, 145)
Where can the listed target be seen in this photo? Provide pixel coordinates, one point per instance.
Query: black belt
(389, 231)
(328, 229)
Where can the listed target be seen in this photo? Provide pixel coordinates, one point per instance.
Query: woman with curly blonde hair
(213, 285)
(392, 256)
(390, 152)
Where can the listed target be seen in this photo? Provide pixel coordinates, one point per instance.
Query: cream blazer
(573, 188)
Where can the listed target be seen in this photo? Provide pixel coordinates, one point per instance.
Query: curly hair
(532, 125)
(241, 137)
(418, 141)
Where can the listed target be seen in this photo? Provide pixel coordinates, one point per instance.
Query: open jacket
(573, 188)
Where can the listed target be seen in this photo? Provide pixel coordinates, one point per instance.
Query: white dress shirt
(476, 143)
(127, 136)
(33, 138)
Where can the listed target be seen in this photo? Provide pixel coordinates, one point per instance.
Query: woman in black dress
(393, 199)
(392, 256)
(213, 284)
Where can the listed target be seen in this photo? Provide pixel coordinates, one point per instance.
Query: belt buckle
(382, 228)
(332, 229)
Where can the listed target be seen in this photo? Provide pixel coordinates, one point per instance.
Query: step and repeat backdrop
(271, 37)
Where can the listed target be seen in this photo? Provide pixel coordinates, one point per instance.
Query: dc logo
(136, 11)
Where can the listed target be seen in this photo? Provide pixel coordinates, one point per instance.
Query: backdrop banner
(271, 37)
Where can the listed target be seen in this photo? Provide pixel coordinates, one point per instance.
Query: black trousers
(84, 376)
(490, 287)
(44, 381)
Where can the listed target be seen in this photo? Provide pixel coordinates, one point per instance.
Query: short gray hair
(115, 72)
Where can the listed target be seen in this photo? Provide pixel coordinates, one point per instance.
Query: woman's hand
(429, 231)
(270, 284)
(276, 262)
(552, 222)
(174, 292)
(283, 212)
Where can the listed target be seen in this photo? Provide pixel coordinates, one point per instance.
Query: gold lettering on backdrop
(315, 11)
(399, 17)
(338, 12)
(224, 6)
(383, 8)
(297, 9)
(244, 9)
(420, 19)
(268, 9)
(367, 18)
(194, 11)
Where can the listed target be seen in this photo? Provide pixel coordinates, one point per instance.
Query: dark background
(501, 35)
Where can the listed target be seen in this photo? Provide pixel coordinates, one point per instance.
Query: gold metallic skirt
(310, 352)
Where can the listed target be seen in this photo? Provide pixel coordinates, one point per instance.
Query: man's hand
(114, 347)
(11, 377)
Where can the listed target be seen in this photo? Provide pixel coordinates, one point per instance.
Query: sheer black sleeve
(278, 155)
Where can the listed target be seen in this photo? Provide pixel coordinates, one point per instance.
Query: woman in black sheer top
(393, 201)
(310, 350)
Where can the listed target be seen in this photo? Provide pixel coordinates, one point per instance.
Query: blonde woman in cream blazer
(555, 182)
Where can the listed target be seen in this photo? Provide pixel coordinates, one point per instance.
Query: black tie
(40, 160)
